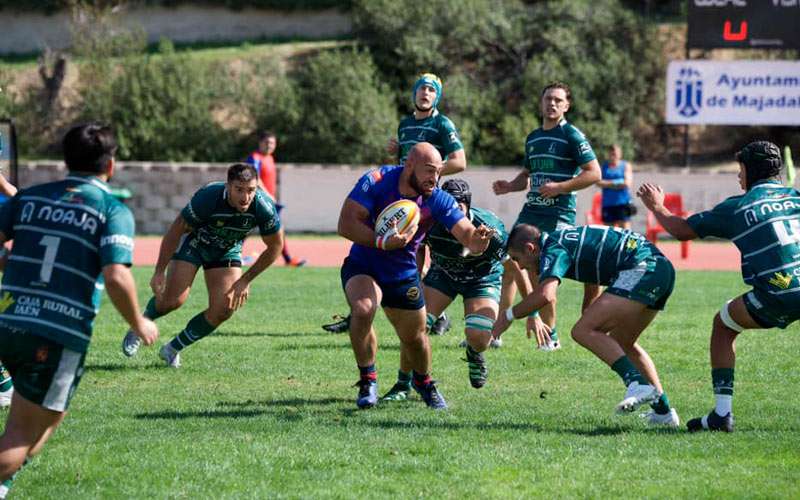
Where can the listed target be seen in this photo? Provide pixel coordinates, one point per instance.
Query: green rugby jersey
(64, 233)
(446, 251)
(764, 224)
(591, 254)
(555, 155)
(437, 129)
(219, 225)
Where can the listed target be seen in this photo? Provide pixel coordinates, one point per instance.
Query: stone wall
(313, 194)
(25, 32)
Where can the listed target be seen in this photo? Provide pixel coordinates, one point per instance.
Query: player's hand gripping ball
(400, 216)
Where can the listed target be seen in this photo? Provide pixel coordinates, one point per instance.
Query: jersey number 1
(50, 244)
(790, 236)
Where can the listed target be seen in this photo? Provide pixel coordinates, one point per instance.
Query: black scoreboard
(744, 24)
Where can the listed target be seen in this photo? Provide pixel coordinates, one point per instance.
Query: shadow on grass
(274, 335)
(282, 409)
(121, 367)
(323, 347)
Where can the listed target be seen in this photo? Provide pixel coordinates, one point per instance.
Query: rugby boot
(340, 324)
(711, 422)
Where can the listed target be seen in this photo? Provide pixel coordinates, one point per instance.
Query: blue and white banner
(733, 92)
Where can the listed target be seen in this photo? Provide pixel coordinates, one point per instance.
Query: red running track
(329, 252)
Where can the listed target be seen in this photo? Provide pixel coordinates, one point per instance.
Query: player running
(70, 237)
(208, 233)
(385, 271)
(639, 279)
(425, 124)
(558, 161)
(455, 272)
(764, 224)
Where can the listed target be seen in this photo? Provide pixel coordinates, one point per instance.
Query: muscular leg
(27, 429)
(180, 276)
(410, 328)
(363, 295)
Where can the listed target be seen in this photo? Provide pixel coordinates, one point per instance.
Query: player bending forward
(208, 233)
(385, 271)
(764, 224)
(639, 279)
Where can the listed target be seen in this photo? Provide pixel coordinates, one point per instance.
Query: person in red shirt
(264, 162)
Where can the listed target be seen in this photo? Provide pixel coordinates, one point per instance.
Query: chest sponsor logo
(552, 148)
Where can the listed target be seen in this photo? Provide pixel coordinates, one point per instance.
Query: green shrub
(332, 109)
(162, 108)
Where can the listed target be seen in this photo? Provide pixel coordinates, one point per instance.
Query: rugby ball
(404, 213)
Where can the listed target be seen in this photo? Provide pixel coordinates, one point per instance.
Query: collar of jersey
(90, 179)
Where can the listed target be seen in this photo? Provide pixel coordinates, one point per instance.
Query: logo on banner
(688, 92)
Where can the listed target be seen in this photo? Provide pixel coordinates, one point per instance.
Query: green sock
(404, 378)
(430, 319)
(627, 372)
(197, 328)
(554, 335)
(5, 379)
(661, 405)
(150, 310)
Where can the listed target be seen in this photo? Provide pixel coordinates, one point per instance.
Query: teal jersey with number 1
(64, 233)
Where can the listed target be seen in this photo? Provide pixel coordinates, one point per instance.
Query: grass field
(265, 408)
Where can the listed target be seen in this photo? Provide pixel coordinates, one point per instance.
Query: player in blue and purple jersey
(71, 238)
(764, 224)
(388, 275)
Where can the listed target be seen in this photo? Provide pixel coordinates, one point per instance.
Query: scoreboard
(744, 24)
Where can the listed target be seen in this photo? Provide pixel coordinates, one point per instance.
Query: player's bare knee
(363, 309)
(169, 304)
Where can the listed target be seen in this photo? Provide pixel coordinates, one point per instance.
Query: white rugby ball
(404, 214)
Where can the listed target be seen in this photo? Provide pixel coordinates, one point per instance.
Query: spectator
(616, 183)
(264, 162)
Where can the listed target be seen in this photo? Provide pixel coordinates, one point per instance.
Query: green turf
(264, 408)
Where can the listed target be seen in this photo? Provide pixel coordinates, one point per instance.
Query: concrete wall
(313, 194)
(24, 32)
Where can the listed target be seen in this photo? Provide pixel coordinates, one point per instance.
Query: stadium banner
(733, 92)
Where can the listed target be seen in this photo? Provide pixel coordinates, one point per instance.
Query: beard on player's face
(425, 188)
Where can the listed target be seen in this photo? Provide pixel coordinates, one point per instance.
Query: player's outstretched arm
(653, 198)
(474, 239)
(519, 183)
(122, 291)
(590, 174)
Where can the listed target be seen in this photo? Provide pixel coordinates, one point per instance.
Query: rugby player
(208, 233)
(71, 238)
(639, 279)
(558, 161)
(764, 224)
(425, 124)
(385, 272)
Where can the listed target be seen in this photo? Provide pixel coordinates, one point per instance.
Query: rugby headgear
(761, 160)
(458, 189)
(431, 80)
